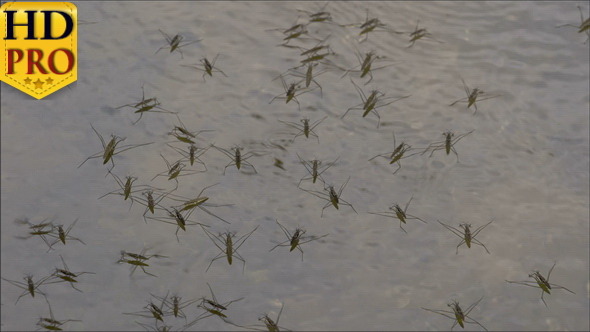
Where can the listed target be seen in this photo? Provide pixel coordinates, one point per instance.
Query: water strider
(110, 149)
(295, 240)
(458, 315)
(448, 144)
(305, 129)
(175, 43)
(467, 236)
(397, 212)
(228, 247)
(541, 282)
(372, 103)
(207, 67)
(334, 198)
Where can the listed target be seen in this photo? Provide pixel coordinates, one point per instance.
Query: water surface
(525, 166)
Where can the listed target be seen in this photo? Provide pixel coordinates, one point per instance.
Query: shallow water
(525, 166)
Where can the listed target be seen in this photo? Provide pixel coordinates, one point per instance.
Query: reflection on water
(487, 105)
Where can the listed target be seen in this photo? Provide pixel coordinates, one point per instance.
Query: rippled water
(526, 166)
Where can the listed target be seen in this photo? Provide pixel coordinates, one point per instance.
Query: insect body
(308, 77)
(62, 235)
(29, 286)
(397, 212)
(295, 32)
(320, 16)
(420, 33)
(175, 217)
(51, 323)
(198, 202)
(458, 315)
(314, 169)
(370, 25)
(153, 311)
(583, 27)
(448, 144)
(366, 65)
(305, 129)
(397, 154)
(150, 202)
(110, 149)
(472, 97)
(61, 275)
(269, 324)
(175, 43)
(212, 307)
(292, 91)
(174, 170)
(372, 103)
(237, 158)
(296, 239)
(137, 260)
(225, 243)
(207, 67)
(127, 188)
(467, 237)
(541, 282)
(334, 198)
(151, 105)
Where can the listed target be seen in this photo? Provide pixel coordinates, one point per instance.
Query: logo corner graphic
(39, 51)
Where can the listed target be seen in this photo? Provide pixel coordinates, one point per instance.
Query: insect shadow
(41, 229)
